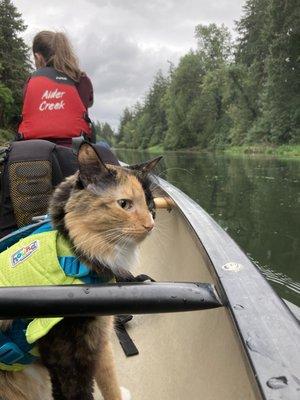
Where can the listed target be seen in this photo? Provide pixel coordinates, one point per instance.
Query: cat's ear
(91, 167)
(147, 166)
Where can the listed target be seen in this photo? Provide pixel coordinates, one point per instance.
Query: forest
(227, 92)
(15, 67)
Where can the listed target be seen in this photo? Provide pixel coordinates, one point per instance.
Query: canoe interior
(194, 355)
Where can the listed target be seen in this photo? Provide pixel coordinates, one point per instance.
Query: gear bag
(31, 169)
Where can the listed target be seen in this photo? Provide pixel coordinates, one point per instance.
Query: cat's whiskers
(125, 254)
(95, 245)
(109, 246)
(103, 235)
(126, 241)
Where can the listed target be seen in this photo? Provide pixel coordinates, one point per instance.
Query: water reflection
(256, 200)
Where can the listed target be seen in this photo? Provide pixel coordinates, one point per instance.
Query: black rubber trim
(52, 74)
(105, 299)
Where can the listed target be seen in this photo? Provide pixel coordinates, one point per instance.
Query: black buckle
(86, 117)
(76, 143)
(19, 136)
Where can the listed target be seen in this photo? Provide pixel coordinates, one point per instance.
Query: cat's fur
(87, 209)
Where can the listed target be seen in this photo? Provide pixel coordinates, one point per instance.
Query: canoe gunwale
(268, 331)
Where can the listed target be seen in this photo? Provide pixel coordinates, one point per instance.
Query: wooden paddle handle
(164, 202)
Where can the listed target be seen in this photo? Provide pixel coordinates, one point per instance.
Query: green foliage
(280, 109)
(157, 149)
(6, 136)
(15, 64)
(125, 118)
(214, 104)
(278, 151)
(242, 109)
(6, 103)
(181, 103)
(214, 44)
(105, 133)
(146, 124)
(224, 93)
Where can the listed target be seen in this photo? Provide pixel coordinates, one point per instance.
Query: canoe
(247, 349)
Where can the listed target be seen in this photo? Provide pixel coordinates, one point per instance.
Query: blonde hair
(57, 51)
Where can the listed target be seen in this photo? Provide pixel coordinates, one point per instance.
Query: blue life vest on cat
(35, 255)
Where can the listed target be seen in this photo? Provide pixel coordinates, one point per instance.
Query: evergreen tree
(125, 118)
(181, 100)
(146, 124)
(154, 127)
(215, 51)
(243, 109)
(15, 64)
(214, 44)
(281, 96)
(248, 73)
(214, 105)
(105, 133)
(6, 103)
(254, 36)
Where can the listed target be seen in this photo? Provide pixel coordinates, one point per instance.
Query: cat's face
(107, 214)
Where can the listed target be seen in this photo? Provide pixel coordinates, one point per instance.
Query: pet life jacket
(52, 107)
(35, 255)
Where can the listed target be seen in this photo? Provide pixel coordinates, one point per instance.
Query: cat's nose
(149, 226)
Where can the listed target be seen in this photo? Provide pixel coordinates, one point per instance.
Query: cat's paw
(126, 395)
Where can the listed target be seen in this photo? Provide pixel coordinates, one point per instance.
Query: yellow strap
(13, 368)
(39, 327)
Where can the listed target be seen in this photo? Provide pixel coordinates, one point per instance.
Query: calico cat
(103, 211)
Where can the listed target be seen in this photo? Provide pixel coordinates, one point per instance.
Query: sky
(121, 44)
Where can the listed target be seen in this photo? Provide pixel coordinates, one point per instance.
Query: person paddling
(57, 95)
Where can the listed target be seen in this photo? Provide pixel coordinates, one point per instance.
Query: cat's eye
(125, 203)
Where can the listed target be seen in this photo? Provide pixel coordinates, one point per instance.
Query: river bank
(290, 151)
(280, 151)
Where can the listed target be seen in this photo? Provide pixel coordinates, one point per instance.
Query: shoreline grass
(280, 151)
(286, 151)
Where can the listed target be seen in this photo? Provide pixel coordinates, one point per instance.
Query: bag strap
(21, 233)
(3, 158)
(73, 267)
(14, 347)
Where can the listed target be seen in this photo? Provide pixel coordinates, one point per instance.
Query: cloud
(122, 44)
(121, 71)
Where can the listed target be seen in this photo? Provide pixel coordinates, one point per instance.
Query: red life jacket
(52, 108)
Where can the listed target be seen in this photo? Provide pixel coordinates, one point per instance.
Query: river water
(255, 199)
